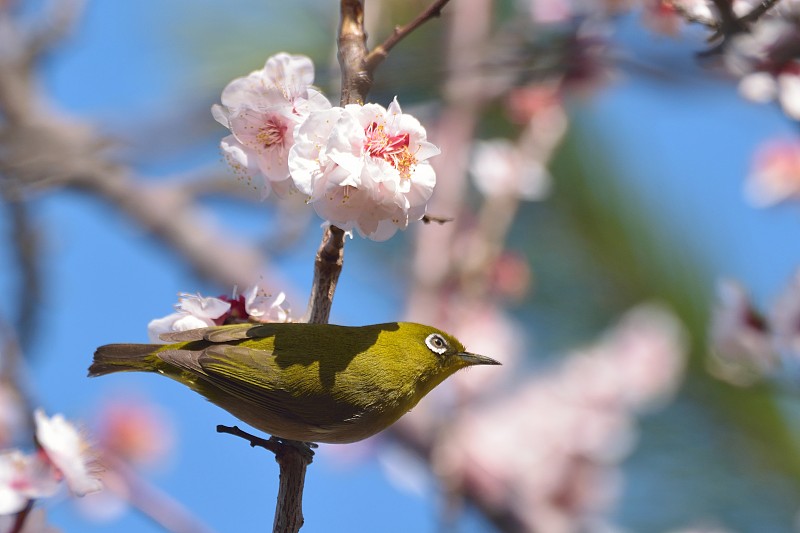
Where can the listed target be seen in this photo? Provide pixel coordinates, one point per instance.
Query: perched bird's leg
(306, 449)
(274, 444)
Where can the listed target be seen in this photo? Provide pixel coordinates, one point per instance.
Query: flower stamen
(391, 148)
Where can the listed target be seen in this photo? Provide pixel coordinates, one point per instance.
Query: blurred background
(624, 238)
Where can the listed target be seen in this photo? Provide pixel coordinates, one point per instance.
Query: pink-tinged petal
(274, 164)
(24, 478)
(262, 111)
(220, 115)
(424, 150)
(394, 108)
(158, 326)
(69, 452)
(244, 163)
(242, 92)
(758, 87)
(293, 73)
(265, 307)
(203, 308)
(775, 176)
(315, 101)
(189, 322)
(361, 168)
(789, 94)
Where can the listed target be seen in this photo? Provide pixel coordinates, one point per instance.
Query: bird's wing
(226, 333)
(254, 376)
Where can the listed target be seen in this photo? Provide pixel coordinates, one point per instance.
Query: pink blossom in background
(741, 349)
(499, 168)
(764, 59)
(784, 319)
(364, 167)
(23, 478)
(489, 331)
(775, 173)
(550, 449)
(135, 431)
(262, 110)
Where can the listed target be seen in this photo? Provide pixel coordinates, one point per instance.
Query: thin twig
(380, 52)
(427, 219)
(274, 444)
(20, 517)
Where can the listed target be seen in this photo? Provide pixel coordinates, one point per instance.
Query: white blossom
(264, 306)
(499, 168)
(68, 451)
(23, 478)
(364, 167)
(262, 110)
(193, 311)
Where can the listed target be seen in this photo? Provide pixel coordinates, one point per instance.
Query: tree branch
(380, 52)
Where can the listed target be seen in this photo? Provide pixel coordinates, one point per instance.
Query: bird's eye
(436, 343)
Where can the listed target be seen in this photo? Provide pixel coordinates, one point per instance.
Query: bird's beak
(475, 359)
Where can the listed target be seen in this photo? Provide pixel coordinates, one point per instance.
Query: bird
(303, 382)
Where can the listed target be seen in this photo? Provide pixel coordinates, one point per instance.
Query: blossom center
(391, 148)
(271, 133)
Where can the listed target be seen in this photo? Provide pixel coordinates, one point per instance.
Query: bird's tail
(122, 358)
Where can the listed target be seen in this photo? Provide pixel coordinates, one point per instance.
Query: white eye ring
(436, 343)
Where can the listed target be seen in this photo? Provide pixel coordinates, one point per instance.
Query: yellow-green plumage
(306, 382)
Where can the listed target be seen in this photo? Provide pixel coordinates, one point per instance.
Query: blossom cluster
(766, 60)
(588, 424)
(362, 167)
(746, 345)
(775, 173)
(195, 311)
(63, 455)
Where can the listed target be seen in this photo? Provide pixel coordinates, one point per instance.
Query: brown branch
(427, 219)
(356, 81)
(327, 267)
(21, 517)
(380, 52)
(25, 245)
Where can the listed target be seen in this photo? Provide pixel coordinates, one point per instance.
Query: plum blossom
(192, 311)
(68, 452)
(577, 423)
(775, 176)
(135, 431)
(262, 306)
(195, 311)
(262, 110)
(23, 478)
(765, 58)
(364, 167)
(499, 168)
(741, 350)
